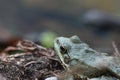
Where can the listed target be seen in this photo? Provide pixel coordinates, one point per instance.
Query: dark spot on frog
(89, 51)
(57, 41)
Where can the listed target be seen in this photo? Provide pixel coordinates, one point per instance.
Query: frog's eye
(63, 50)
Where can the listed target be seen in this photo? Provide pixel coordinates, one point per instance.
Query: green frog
(72, 51)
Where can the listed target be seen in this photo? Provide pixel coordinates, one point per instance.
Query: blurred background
(96, 22)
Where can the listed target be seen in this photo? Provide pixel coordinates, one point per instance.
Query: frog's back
(84, 53)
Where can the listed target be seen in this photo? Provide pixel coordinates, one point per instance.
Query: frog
(73, 51)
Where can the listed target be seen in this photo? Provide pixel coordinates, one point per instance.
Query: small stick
(116, 49)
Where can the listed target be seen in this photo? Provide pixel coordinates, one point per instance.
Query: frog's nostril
(57, 41)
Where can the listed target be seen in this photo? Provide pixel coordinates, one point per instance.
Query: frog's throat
(57, 49)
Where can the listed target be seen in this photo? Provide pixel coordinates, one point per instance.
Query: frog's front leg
(80, 77)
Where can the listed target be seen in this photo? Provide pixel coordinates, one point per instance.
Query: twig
(116, 49)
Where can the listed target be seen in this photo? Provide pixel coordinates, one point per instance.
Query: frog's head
(63, 45)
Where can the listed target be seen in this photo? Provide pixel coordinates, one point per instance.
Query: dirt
(29, 62)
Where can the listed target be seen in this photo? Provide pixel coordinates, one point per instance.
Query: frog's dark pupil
(63, 50)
